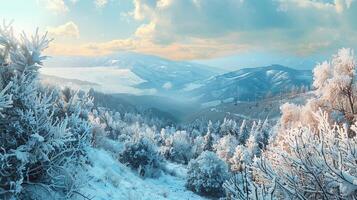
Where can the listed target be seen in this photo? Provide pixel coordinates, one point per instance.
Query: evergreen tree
(243, 132)
(41, 142)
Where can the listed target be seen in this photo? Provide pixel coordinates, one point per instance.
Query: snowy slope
(250, 84)
(109, 179)
(108, 79)
(130, 72)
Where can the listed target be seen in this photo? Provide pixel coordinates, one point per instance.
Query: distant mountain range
(251, 84)
(139, 74)
(138, 71)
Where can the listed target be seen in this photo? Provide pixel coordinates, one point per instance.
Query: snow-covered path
(109, 179)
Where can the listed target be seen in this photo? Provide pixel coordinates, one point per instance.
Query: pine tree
(243, 132)
(40, 141)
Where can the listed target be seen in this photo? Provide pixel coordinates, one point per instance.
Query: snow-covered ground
(109, 79)
(109, 179)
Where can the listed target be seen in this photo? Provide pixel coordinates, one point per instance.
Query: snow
(110, 79)
(211, 103)
(109, 179)
(191, 86)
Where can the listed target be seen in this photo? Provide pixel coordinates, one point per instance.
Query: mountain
(248, 110)
(250, 84)
(130, 71)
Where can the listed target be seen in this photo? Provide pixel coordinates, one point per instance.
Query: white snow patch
(191, 86)
(110, 79)
(211, 103)
(109, 179)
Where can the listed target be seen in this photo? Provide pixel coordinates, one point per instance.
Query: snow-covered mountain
(250, 84)
(127, 71)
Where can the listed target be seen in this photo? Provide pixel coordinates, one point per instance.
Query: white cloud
(69, 29)
(278, 24)
(198, 29)
(100, 3)
(57, 6)
(167, 85)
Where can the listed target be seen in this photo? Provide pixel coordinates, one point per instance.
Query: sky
(221, 33)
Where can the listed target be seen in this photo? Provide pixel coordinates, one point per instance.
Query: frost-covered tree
(262, 134)
(313, 154)
(242, 156)
(178, 147)
(41, 143)
(206, 174)
(229, 127)
(141, 154)
(243, 132)
(241, 186)
(335, 93)
(310, 163)
(225, 147)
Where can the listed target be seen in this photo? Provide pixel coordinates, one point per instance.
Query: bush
(206, 174)
(141, 154)
(225, 147)
(41, 142)
(178, 147)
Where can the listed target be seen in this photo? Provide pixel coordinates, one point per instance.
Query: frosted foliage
(243, 132)
(311, 164)
(206, 174)
(141, 154)
(335, 93)
(41, 141)
(241, 157)
(322, 72)
(5, 100)
(178, 147)
(230, 127)
(225, 147)
(241, 186)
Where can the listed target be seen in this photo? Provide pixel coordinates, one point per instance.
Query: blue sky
(217, 32)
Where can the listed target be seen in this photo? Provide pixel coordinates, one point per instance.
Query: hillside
(238, 85)
(249, 110)
(130, 72)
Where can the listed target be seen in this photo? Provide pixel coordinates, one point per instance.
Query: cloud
(69, 29)
(198, 29)
(57, 6)
(282, 24)
(100, 3)
(198, 48)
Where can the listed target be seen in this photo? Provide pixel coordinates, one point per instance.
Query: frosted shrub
(229, 127)
(313, 154)
(241, 186)
(141, 154)
(41, 142)
(241, 157)
(335, 93)
(323, 160)
(178, 147)
(225, 147)
(206, 174)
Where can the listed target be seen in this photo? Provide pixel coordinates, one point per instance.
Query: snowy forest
(154, 116)
(50, 137)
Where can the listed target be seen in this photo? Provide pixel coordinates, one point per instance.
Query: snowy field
(110, 179)
(109, 79)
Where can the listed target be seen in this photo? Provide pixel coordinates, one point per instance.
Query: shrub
(206, 174)
(41, 142)
(141, 154)
(178, 147)
(225, 147)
